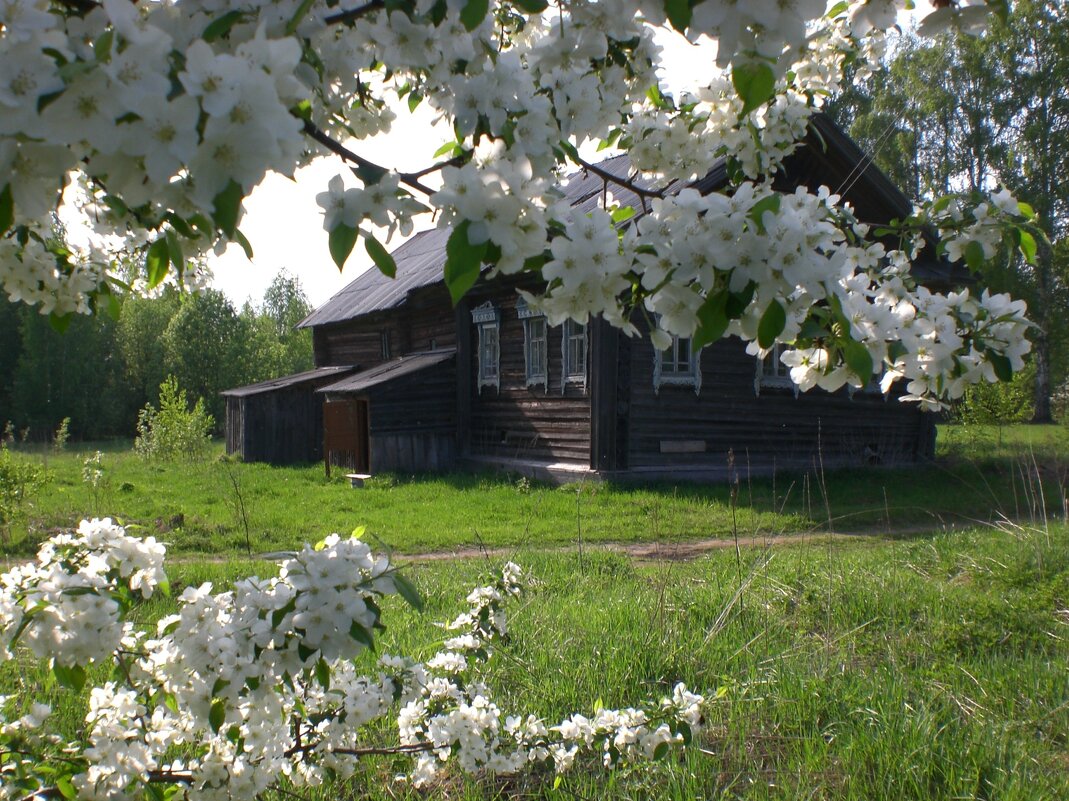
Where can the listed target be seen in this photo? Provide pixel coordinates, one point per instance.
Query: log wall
(760, 429)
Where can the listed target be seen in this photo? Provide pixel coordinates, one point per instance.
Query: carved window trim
(682, 368)
(574, 354)
(535, 345)
(487, 321)
(771, 372)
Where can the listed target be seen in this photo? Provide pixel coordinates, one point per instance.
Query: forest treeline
(959, 113)
(102, 370)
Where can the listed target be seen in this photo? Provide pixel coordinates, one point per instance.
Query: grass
(204, 507)
(926, 667)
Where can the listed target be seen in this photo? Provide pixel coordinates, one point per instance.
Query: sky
(285, 225)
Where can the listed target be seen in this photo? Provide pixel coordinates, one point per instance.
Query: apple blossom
(166, 115)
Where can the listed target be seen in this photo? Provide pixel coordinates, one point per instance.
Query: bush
(19, 480)
(998, 404)
(174, 431)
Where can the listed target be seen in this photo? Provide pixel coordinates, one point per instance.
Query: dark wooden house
(490, 382)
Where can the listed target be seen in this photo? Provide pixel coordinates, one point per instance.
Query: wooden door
(346, 435)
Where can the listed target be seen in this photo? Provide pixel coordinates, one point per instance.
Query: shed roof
(287, 381)
(389, 371)
(420, 260)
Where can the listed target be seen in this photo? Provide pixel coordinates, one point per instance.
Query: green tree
(960, 113)
(76, 374)
(142, 324)
(206, 349)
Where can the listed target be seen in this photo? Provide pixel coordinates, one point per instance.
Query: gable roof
(420, 260)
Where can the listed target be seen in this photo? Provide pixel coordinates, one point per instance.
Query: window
(535, 344)
(678, 365)
(488, 322)
(771, 372)
(385, 343)
(573, 354)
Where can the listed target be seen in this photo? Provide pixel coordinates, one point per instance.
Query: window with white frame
(678, 365)
(772, 372)
(535, 344)
(573, 354)
(488, 322)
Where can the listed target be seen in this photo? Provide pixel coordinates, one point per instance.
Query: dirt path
(680, 550)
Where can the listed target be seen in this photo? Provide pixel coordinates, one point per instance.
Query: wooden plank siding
(284, 426)
(549, 423)
(425, 322)
(413, 421)
(772, 428)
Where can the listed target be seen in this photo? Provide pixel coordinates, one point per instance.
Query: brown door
(345, 435)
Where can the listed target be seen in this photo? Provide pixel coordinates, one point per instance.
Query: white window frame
(535, 359)
(571, 373)
(487, 321)
(682, 368)
(771, 372)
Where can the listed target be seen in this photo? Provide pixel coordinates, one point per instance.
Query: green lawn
(933, 667)
(198, 508)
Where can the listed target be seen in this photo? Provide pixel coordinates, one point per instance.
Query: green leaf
(322, 671)
(1028, 246)
(220, 27)
(370, 174)
(974, 255)
(157, 261)
(679, 13)
(226, 206)
(623, 214)
(383, 260)
(448, 148)
(758, 209)
(245, 244)
(414, 100)
(661, 751)
(473, 13)
(72, 677)
(305, 652)
(533, 6)
(739, 302)
(362, 635)
(341, 241)
(174, 248)
(7, 209)
(771, 325)
(102, 46)
(683, 728)
(858, 359)
(755, 82)
(407, 590)
(837, 9)
(712, 320)
(60, 322)
(66, 789)
(463, 262)
(557, 781)
(217, 714)
(1026, 210)
(1003, 368)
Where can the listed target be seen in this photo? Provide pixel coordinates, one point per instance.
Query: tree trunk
(1041, 412)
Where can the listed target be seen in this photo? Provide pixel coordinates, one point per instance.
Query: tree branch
(410, 179)
(627, 183)
(353, 14)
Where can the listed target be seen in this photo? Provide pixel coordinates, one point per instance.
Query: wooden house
(491, 383)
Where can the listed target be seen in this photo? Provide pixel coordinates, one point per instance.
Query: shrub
(19, 480)
(63, 433)
(174, 431)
